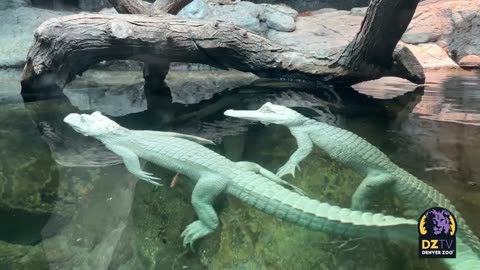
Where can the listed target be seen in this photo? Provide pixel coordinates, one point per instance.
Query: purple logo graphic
(437, 227)
(441, 223)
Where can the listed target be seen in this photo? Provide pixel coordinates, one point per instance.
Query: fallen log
(67, 46)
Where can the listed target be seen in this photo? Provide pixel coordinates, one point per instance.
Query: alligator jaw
(253, 115)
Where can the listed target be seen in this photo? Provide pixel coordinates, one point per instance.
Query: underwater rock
(470, 61)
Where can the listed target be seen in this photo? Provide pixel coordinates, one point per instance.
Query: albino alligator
(214, 174)
(357, 153)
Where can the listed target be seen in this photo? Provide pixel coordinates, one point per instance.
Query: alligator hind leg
(203, 196)
(254, 167)
(370, 186)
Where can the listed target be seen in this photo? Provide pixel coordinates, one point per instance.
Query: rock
(8, 4)
(244, 14)
(453, 24)
(284, 9)
(280, 22)
(417, 38)
(197, 9)
(432, 56)
(16, 29)
(280, 17)
(93, 5)
(253, 17)
(322, 33)
(470, 61)
(358, 11)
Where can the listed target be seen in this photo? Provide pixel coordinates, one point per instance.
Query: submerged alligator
(366, 159)
(214, 174)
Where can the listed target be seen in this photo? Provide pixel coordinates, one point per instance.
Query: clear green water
(67, 203)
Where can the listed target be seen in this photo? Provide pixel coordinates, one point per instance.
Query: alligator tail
(430, 197)
(315, 215)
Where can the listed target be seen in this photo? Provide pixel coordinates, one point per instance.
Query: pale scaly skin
(249, 182)
(363, 157)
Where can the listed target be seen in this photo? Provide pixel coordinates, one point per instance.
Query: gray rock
(358, 11)
(253, 17)
(197, 9)
(280, 22)
(7, 4)
(17, 27)
(93, 5)
(417, 38)
(281, 8)
(244, 14)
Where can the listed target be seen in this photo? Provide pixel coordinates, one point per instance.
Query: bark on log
(67, 46)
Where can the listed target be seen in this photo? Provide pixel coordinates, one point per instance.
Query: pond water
(66, 202)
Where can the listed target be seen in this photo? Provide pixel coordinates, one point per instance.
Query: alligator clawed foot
(148, 177)
(287, 169)
(193, 232)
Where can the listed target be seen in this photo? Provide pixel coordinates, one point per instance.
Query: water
(67, 203)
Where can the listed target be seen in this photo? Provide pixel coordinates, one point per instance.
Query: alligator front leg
(254, 167)
(203, 196)
(371, 185)
(305, 146)
(133, 164)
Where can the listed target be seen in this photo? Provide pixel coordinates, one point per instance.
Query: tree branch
(383, 26)
(129, 6)
(170, 6)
